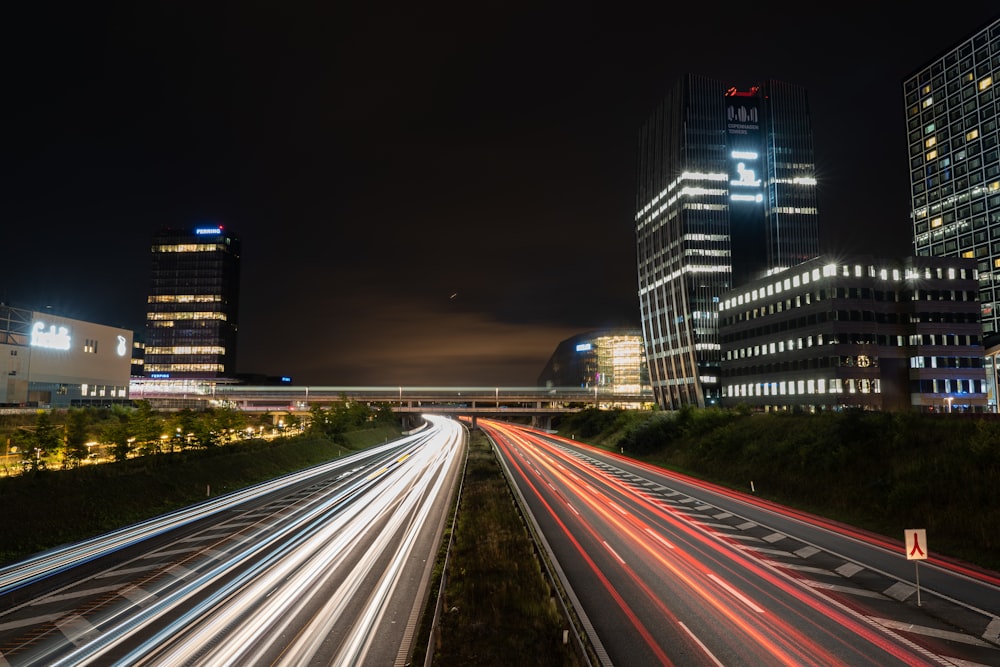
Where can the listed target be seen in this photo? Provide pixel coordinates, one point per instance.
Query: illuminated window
(972, 134)
(936, 222)
(995, 185)
(985, 83)
(968, 253)
(927, 102)
(930, 141)
(931, 155)
(929, 128)
(185, 298)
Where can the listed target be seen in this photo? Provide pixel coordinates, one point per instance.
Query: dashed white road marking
(848, 570)
(76, 629)
(899, 591)
(850, 590)
(34, 620)
(736, 594)
(931, 632)
(77, 593)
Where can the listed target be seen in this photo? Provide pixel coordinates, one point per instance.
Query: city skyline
(424, 196)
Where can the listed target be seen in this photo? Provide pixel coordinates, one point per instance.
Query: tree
(118, 432)
(77, 435)
(147, 427)
(48, 440)
(23, 441)
(224, 422)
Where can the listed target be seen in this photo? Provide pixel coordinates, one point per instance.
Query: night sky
(427, 195)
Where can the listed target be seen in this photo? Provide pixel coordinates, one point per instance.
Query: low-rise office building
(58, 362)
(866, 333)
(612, 361)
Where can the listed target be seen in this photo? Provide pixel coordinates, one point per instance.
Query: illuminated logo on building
(745, 186)
(55, 338)
(121, 349)
(743, 130)
(208, 230)
(159, 376)
(584, 347)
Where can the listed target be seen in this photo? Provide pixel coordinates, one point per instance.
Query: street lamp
(949, 399)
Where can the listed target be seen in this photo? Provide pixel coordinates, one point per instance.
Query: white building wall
(64, 351)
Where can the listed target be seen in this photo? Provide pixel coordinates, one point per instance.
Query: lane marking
(659, 539)
(34, 620)
(899, 591)
(848, 570)
(699, 643)
(800, 568)
(614, 553)
(75, 594)
(76, 629)
(736, 594)
(127, 570)
(138, 596)
(992, 631)
(931, 632)
(861, 592)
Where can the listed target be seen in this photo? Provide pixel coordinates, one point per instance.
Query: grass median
(496, 607)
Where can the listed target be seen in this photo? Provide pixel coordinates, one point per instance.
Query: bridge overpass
(538, 403)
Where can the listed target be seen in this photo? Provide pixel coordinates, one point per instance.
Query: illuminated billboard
(744, 135)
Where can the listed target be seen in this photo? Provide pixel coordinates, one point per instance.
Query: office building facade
(952, 114)
(192, 315)
(864, 333)
(612, 361)
(51, 361)
(726, 193)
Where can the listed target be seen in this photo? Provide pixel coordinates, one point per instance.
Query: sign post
(916, 550)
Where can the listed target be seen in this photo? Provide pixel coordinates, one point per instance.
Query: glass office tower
(726, 193)
(193, 304)
(951, 124)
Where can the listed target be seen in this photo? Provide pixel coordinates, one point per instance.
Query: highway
(325, 566)
(665, 570)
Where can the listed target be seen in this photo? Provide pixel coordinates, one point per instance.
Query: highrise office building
(951, 121)
(192, 314)
(726, 193)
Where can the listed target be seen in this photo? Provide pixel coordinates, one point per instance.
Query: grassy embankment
(48, 508)
(882, 472)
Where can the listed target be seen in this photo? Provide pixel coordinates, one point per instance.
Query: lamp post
(949, 399)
